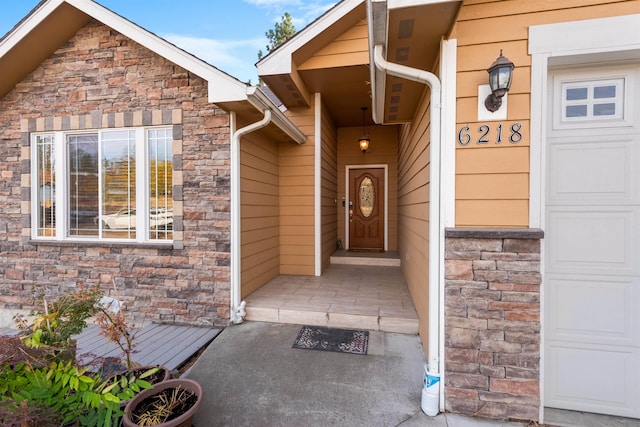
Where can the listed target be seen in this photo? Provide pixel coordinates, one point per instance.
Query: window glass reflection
(119, 184)
(160, 142)
(576, 111)
(604, 92)
(608, 109)
(83, 184)
(46, 186)
(577, 93)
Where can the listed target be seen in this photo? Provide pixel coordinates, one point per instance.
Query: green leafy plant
(57, 321)
(70, 392)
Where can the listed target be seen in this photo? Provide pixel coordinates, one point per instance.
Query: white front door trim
(604, 39)
(386, 201)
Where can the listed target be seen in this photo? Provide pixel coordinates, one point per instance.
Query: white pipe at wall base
(238, 307)
(433, 82)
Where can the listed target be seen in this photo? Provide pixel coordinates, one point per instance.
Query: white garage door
(592, 241)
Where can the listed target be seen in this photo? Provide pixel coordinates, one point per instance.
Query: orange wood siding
(259, 169)
(413, 210)
(297, 213)
(492, 181)
(329, 187)
(351, 48)
(384, 150)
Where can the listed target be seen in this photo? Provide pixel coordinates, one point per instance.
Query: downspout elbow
(414, 74)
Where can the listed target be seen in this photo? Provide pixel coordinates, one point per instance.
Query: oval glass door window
(367, 197)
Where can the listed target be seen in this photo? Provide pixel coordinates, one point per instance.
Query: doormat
(330, 339)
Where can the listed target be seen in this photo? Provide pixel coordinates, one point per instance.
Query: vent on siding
(406, 29)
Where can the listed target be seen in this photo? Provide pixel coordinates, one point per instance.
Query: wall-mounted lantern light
(364, 139)
(500, 75)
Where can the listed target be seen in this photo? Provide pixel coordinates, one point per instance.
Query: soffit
(36, 46)
(344, 92)
(413, 40)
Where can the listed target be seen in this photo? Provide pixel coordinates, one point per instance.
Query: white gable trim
(584, 37)
(222, 87)
(25, 27)
(280, 61)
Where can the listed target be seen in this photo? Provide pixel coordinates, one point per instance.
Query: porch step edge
(382, 262)
(398, 325)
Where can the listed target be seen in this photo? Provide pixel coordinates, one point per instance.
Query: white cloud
(316, 9)
(236, 57)
(273, 3)
(302, 12)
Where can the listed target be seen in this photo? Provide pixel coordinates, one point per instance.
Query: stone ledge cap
(494, 233)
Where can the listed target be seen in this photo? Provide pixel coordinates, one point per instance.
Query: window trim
(590, 78)
(61, 198)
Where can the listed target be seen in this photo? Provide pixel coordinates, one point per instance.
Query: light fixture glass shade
(500, 76)
(364, 139)
(364, 143)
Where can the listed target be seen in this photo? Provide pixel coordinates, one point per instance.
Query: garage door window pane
(604, 109)
(604, 92)
(576, 94)
(576, 111)
(592, 100)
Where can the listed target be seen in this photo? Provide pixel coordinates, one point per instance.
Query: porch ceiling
(410, 31)
(345, 88)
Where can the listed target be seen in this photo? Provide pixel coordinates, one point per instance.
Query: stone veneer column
(492, 322)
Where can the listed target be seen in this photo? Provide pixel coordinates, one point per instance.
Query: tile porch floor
(357, 291)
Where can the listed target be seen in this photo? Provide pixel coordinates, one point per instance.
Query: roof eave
(261, 102)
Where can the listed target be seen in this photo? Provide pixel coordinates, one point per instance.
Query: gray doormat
(331, 339)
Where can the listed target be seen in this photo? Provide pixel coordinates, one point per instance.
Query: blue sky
(225, 33)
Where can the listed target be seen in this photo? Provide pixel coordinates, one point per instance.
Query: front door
(592, 248)
(366, 209)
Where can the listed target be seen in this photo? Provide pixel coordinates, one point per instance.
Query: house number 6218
(514, 134)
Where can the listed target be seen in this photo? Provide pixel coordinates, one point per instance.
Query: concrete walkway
(252, 377)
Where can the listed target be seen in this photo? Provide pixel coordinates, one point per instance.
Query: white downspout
(237, 306)
(433, 82)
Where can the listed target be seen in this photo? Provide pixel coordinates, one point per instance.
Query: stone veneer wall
(101, 79)
(492, 323)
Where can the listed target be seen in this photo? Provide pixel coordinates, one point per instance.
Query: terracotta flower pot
(183, 420)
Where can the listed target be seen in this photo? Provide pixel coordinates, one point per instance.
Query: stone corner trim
(492, 322)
